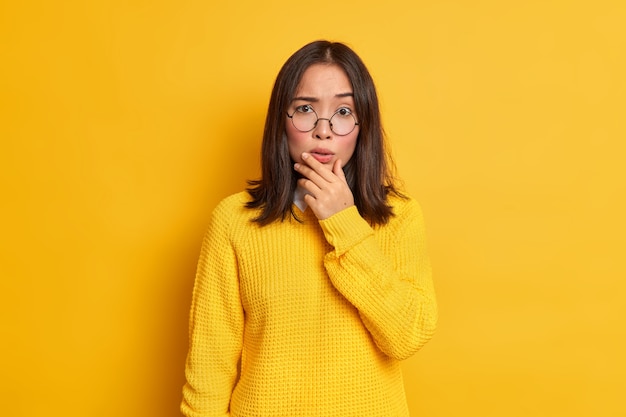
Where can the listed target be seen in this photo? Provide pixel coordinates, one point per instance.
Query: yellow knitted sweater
(307, 319)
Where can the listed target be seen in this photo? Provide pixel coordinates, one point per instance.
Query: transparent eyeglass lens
(341, 123)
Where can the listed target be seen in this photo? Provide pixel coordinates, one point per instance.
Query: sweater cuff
(345, 229)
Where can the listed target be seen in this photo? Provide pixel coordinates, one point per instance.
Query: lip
(322, 155)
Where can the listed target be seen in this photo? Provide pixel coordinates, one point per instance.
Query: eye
(305, 108)
(344, 111)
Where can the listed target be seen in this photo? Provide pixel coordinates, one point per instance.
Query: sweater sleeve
(392, 289)
(215, 325)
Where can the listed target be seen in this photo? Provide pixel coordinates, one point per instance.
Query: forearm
(392, 288)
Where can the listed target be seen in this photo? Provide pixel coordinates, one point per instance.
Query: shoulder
(233, 210)
(233, 203)
(404, 206)
(407, 215)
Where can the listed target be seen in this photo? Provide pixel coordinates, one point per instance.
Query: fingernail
(296, 165)
(305, 155)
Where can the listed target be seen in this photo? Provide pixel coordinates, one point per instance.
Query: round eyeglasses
(342, 122)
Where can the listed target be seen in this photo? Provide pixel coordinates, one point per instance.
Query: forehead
(322, 79)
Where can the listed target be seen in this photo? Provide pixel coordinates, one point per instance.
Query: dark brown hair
(368, 171)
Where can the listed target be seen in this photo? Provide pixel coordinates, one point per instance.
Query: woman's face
(324, 91)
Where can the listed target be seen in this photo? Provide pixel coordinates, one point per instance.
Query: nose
(322, 130)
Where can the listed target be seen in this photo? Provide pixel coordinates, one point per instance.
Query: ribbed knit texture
(307, 319)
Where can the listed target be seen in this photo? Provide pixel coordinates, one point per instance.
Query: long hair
(368, 171)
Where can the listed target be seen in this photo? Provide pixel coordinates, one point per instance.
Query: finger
(309, 186)
(318, 167)
(338, 171)
(310, 174)
(309, 200)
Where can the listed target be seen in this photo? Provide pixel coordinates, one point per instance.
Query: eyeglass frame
(356, 123)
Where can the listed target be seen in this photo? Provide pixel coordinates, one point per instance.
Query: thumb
(338, 171)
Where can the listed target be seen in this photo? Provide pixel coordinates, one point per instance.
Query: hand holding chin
(327, 190)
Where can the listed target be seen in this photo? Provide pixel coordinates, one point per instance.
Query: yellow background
(122, 123)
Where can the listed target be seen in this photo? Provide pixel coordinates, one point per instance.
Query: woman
(314, 283)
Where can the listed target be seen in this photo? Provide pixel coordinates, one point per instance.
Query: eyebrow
(315, 99)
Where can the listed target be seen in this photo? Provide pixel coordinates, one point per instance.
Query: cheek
(348, 148)
(295, 142)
